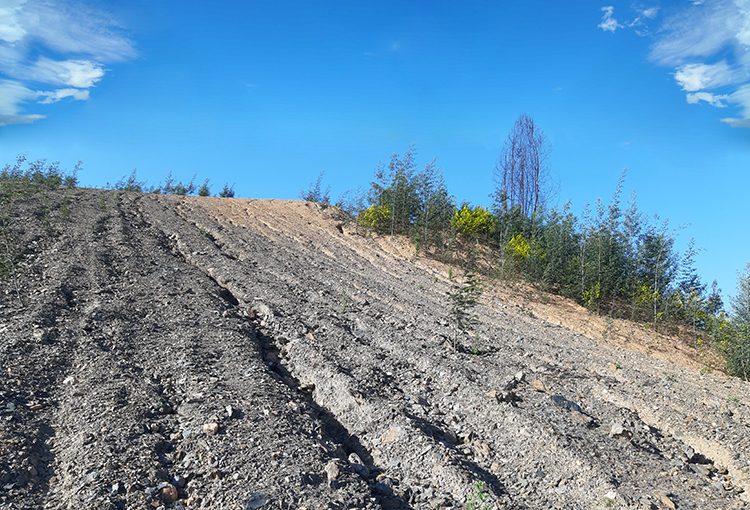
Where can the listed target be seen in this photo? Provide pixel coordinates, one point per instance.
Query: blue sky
(269, 94)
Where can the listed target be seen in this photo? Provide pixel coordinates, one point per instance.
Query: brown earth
(173, 352)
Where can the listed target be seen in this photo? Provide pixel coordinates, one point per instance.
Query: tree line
(614, 259)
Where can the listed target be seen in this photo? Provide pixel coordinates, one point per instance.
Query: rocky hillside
(183, 352)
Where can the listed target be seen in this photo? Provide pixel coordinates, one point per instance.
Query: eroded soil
(223, 353)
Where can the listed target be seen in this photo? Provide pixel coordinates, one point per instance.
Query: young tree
(739, 348)
(521, 174)
(315, 192)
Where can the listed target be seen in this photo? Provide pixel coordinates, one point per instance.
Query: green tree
(738, 350)
(315, 192)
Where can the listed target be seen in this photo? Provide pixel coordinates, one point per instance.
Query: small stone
(70, 380)
(256, 501)
(179, 481)
(169, 493)
(358, 465)
(586, 419)
(211, 428)
(617, 430)
(393, 434)
(332, 471)
(11, 406)
(612, 367)
(520, 375)
(36, 407)
(667, 502)
(230, 411)
(538, 385)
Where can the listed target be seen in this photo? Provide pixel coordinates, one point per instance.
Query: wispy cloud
(707, 44)
(640, 22)
(47, 44)
(693, 77)
(609, 23)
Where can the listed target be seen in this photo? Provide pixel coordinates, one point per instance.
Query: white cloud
(693, 77)
(609, 24)
(700, 31)
(70, 43)
(712, 99)
(707, 44)
(741, 97)
(644, 14)
(73, 73)
(53, 97)
(12, 93)
(10, 28)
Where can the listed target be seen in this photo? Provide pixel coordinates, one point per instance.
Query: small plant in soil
(478, 498)
(65, 207)
(344, 301)
(464, 296)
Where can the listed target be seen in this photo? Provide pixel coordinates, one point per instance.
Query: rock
(520, 376)
(384, 486)
(179, 481)
(211, 428)
(668, 503)
(358, 466)
(538, 385)
(565, 403)
(168, 492)
(256, 501)
(393, 434)
(230, 411)
(332, 471)
(584, 418)
(618, 430)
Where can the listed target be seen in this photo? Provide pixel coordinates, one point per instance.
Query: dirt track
(190, 352)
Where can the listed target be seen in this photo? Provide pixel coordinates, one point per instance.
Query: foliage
(20, 181)
(464, 294)
(478, 498)
(227, 191)
(205, 189)
(376, 217)
(315, 193)
(738, 343)
(469, 221)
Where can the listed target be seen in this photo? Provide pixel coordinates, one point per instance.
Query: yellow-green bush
(377, 217)
(519, 247)
(471, 220)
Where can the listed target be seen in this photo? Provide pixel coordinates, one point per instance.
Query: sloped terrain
(184, 352)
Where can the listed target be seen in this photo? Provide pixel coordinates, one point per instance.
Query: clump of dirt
(184, 352)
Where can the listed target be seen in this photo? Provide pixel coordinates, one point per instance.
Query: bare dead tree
(521, 174)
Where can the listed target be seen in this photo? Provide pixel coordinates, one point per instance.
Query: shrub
(376, 217)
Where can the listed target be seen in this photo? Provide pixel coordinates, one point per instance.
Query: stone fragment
(358, 465)
(668, 503)
(538, 385)
(393, 434)
(618, 430)
(256, 501)
(332, 471)
(211, 428)
(584, 418)
(168, 492)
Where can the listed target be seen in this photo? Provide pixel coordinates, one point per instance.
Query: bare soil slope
(221, 353)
